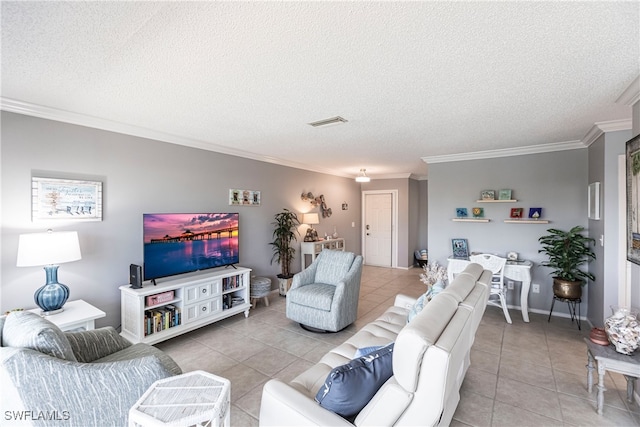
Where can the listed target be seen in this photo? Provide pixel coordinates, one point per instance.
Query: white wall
(142, 176)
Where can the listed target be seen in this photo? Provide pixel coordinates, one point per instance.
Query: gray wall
(143, 176)
(603, 168)
(557, 182)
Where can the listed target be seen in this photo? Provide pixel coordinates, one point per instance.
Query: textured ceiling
(413, 79)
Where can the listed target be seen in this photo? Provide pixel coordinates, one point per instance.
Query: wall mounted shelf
(470, 220)
(496, 201)
(526, 221)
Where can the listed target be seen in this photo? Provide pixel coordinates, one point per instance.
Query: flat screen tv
(177, 243)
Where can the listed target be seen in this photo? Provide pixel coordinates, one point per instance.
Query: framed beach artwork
(632, 160)
(460, 248)
(504, 194)
(65, 199)
(461, 213)
(244, 197)
(516, 213)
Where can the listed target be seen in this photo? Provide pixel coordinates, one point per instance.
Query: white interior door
(378, 229)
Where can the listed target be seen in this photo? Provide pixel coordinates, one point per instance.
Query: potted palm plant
(284, 233)
(567, 250)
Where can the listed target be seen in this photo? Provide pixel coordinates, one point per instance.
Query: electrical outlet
(535, 288)
(510, 284)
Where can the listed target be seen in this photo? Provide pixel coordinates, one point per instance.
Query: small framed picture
(505, 194)
(535, 213)
(461, 212)
(516, 213)
(478, 212)
(460, 248)
(488, 195)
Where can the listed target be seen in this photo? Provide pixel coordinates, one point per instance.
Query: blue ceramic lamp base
(53, 295)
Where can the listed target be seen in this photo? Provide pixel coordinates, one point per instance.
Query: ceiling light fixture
(326, 122)
(363, 176)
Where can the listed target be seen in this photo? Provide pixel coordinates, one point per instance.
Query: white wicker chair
(496, 265)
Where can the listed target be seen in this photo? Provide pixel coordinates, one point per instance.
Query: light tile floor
(523, 374)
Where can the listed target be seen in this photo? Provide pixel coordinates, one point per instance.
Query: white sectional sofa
(430, 359)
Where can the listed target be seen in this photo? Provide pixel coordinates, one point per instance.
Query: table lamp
(311, 219)
(49, 249)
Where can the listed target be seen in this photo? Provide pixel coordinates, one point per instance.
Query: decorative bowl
(599, 336)
(623, 329)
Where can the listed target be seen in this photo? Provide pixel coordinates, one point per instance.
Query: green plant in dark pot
(284, 233)
(567, 250)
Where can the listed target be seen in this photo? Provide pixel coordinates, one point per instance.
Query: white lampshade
(310, 218)
(48, 248)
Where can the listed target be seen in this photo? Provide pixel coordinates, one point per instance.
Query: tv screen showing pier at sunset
(177, 243)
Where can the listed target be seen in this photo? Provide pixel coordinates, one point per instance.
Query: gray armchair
(88, 378)
(324, 296)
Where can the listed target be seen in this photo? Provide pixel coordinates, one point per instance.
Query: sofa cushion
(348, 388)
(333, 266)
(316, 295)
(28, 330)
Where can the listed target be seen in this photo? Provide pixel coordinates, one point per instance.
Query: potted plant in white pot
(567, 250)
(284, 233)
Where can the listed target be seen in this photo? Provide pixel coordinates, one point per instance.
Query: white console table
(314, 248)
(76, 314)
(519, 271)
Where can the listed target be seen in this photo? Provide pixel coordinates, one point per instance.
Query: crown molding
(504, 152)
(44, 112)
(594, 133)
(600, 128)
(631, 94)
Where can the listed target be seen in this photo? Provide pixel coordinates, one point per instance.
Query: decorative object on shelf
(516, 213)
(49, 249)
(504, 194)
(535, 213)
(512, 256)
(244, 197)
(284, 233)
(594, 201)
(335, 232)
(599, 336)
(311, 219)
(632, 161)
(488, 195)
(362, 176)
(623, 329)
(566, 251)
(66, 199)
(460, 248)
(461, 213)
(478, 212)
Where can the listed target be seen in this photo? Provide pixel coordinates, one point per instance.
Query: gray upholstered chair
(86, 378)
(324, 296)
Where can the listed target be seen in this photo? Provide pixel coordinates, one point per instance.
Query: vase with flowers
(434, 276)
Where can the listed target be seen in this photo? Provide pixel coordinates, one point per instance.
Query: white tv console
(198, 299)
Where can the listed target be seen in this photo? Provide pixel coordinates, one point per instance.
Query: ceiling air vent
(327, 122)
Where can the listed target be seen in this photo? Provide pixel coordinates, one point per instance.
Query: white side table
(196, 398)
(608, 359)
(314, 248)
(77, 314)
